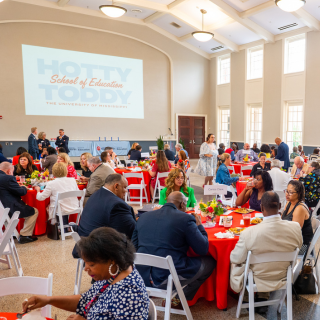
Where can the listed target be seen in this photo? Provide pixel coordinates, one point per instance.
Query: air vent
(288, 26)
(136, 10)
(175, 25)
(217, 48)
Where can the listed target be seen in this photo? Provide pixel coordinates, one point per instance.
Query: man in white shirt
(280, 180)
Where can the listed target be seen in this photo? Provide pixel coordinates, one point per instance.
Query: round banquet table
(237, 166)
(146, 177)
(217, 285)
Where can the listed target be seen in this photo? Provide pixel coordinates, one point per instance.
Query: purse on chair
(52, 231)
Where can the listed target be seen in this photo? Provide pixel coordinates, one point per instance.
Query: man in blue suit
(283, 153)
(33, 147)
(62, 141)
(107, 208)
(171, 231)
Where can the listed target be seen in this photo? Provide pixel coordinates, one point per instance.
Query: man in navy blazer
(107, 208)
(283, 153)
(171, 231)
(62, 141)
(33, 147)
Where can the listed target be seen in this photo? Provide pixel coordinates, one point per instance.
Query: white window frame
(250, 51)
(250, 107)
(221, 109)
(287, 52)
(289, 104)
(219, 60)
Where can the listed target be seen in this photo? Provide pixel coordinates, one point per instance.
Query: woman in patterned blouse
(119, 291)
(72, 173)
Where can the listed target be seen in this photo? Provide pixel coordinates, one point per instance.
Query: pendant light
(113, 11)
(203, 36)
(290, 5)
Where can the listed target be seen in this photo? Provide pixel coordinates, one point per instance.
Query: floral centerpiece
(37, 177)
(211, 209)
(144, 163)
(246, 158)
(153, 153)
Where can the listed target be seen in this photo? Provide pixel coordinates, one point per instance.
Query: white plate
(208, 225)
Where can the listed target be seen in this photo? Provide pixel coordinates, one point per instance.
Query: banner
(70, 83)
(121, 148)
(77, 148)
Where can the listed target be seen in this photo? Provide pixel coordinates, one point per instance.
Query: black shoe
(263, 309)
(27, 239)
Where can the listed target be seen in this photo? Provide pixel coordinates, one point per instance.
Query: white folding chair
(80, 267)
(229, 201)
(283, 200)
(57, 210)
(315, 209)
(231, 168)
(245, 168)
(158, 186)
(152, 311)
(252, 288)
(16, 233)
(188, 176)
(28, 285)
(7, 245)
(310, 255)
(168, 294)
(135, 186)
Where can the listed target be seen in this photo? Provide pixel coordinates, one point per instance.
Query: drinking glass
(22, 179)
(246, 219)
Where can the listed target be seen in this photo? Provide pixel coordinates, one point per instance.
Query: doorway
(192, 132)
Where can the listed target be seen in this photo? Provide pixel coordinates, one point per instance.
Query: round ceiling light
(202, 36)
(290, 5)
(113, 11)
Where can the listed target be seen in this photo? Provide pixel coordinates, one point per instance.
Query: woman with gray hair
(294, 153)
(42, 142)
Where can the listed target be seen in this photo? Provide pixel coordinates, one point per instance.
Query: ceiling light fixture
(203, 36)
(113, 11)
(290, 5)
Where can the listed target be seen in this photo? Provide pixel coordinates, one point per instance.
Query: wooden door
(192, 132)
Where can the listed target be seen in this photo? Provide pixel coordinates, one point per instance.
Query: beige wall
(176, 79)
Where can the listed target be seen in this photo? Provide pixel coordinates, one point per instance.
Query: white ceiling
(230, 20)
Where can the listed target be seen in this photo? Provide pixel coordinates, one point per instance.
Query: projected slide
(69, 83)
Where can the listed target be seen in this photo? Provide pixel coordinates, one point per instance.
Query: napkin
(224, 235)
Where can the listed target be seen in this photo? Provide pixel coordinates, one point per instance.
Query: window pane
(255, 63)
(224, 70)
(295, 54)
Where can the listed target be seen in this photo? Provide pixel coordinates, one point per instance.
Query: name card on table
(215, 189)
(246, 151)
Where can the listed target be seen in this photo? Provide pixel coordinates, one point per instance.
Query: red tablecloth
(240, 186)
(217, 285)
(237, 166)
(146, 177)
(12, 316)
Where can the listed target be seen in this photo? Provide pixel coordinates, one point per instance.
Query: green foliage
(181, 142)
(160, 143)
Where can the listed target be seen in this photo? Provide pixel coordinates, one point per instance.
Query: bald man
(171, 231)
(299, 167)
(283, 153)
(246, 151)
(10, 196)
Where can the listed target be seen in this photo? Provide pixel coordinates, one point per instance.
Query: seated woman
(274, 153)
(133, 147)
(60, 184)
(295, 153)
(261, 165)
(20, 151)
(119, 291)
(176, 181)
(296, 210)
(86, 173)
(314, 156)
(254, 190)
(266, 150)
(136, 154)
(161, 164)
(223, 174)
(64, 158)
(107, 160)
(183, 162)
(24, 166)
(49, 161)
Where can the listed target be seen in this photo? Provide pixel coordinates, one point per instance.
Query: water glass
(22, 179)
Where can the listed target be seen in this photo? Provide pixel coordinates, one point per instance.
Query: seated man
(169, 154)
(271, 235)
(246, 151)
(107, 208)
(221, 148)
(299, 168)
(10, 196)
(136, 154)
(2, 157)
(179, 147)
(171, 231)
(98, 177)
(255, 148)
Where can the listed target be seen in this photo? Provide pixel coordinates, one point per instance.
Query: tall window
(255, 63)
(294, 124)
(254, 124)
(224, 69)
(295, 50)
(225, 126)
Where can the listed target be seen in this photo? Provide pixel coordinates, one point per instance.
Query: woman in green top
(176, 181)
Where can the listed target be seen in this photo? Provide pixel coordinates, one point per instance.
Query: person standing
(32, 143)
(207, 163)
(42, 142)
(63, 141)
(282, 153)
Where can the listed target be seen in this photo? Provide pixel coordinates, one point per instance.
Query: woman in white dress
(207, 163)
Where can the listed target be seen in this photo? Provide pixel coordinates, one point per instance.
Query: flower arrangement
(36, 175)
(211, 209)
(144, 163)
(246, 158)
(152, 153)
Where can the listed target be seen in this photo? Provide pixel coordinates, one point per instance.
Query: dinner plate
(209, 225)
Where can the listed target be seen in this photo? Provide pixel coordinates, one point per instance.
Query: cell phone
(78, 174)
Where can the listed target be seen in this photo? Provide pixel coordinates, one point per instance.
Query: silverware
(20, 315)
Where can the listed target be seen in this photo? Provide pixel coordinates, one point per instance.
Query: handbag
(52, 231)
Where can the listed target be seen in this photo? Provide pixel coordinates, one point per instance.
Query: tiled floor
(47, 256)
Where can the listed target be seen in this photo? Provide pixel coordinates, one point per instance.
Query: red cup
(246, 219)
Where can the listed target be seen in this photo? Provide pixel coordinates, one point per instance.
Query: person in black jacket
(42, 142)
(107, 208)
(169, 154)
(136, 154)
(10, 196)
(63, 141)
(261, 165)
(171, 231)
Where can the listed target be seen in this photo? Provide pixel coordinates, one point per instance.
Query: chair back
(76, 237)
(245, 169)
(8, 233)
(132, 162)
(133, 175)
(316, 234)
(163, 175)
(70, 194)
(282, 198)
(231, 169)
(28, 285)
(4, 217)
